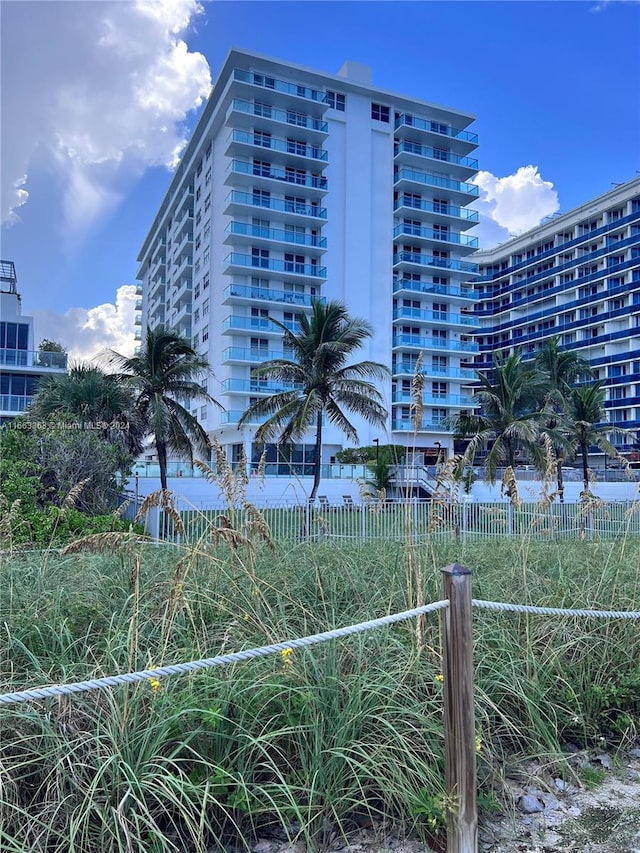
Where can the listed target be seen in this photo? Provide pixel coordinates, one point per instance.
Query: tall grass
(307, 745)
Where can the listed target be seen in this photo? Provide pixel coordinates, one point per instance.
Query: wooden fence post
(459, 716)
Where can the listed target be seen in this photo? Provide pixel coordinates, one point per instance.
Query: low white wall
(529, 490)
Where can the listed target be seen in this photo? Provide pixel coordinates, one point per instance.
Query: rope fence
(295, 643)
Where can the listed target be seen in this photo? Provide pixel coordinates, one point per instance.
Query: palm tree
(584, 425)
(95, 400)
(509, 397)
(560, 368)
(168, 370)
(320, 382)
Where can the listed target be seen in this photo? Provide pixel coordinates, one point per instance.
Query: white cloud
(105, 86)
(511, 205)
(86, 332)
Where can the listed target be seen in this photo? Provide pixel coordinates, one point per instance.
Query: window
(205, 333)
(205, 307)
(261, 109)
(205, 255)
(199, 169)
(205, 281)
(440, 205)
(207, 203)
(296, 146)
(259, 257)
(438, 415)
(207, 155)
(441, 232)
(262, 168)
(262, 138)
(267, 82)
(207, 229)
(412, 200)
(441, 154)
(293, 263)
(207, 177)
(203, 413)
(295, 176)
(261, 198)
(196, 291)
(336, 100)
(292, 204)
(299, 119)
(196, 315)
(439, 389)
(380, 112)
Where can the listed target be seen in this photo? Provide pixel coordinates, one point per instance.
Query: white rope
(220, 660)
(556, 611)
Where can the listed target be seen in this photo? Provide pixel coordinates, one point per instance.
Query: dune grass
(309, 744)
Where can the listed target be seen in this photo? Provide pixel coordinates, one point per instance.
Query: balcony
(185, 198)
(231, 417)
(404, 176)
(422, 152)
(424, 316)
(410, 286)
(137, 319)
(237, 201)
(440, 211)
(238, 263)
(33, 359)
(183, 313)
(261, 325)
(272, 84)
(418, 342)
(14, 403)
(465, 138)
(412, 258)
(430, 235)
(429, 400)
(239, 293)
(255, 386)
(256, 233)
(182, 265)
(256, 175)
(408, 368)
(260, 142)
(137, 335)
(427, 426)
(243, 355)
(138, 305)
(248, 110)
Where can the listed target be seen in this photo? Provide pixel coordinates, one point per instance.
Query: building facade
(299, 185)
(577, 277)
(21, 365)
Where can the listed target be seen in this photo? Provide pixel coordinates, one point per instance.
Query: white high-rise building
(576, 276)
(296, 185)
(22, 366)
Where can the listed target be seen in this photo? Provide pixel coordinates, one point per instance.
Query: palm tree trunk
(560, 481)
(317, 462)
(161, 448)
(584, 451)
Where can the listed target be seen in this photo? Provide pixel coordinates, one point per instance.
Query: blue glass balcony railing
(272, 203)
(428, 287)
(33, 358)
(242, 167)
(429, 261)
(266, 81)
(231, 417)
(14, 402)
(408, 368)
(436, 181)
(254, 386)
(275, 265)
(436, 127)
(409, 426)
(273, 143)
(246, 230)
(254, 356)
(434, 316)
(431, 400)
(407, 200)
(417, 341)
(430, 234)
(256, 324)
(405, 147)
(242, 291)
(291, 117)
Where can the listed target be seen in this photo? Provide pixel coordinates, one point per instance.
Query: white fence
(406, 521)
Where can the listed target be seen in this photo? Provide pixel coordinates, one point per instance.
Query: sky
(98, 98)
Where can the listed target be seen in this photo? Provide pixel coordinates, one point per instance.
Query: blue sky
(98, 97)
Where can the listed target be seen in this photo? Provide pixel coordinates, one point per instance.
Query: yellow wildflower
(155, 685)
(286, 654)
(478, 744)
(440, 678)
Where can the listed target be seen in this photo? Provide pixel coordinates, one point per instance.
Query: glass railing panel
(436, 127)
(246, 230)
(273, 203)
(274, 143)
(436, 181)
(33, 358)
